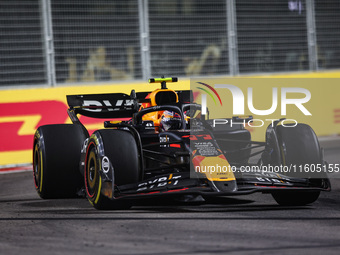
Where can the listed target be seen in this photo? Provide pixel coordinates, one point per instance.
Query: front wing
(182, 183)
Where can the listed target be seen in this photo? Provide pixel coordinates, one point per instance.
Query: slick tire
(56, 156)
(299, 146)
(121, 149)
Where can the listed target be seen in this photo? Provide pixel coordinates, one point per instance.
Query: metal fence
(22, 58)
(188, 38)
(271, 36)
(96, 40)
(327, 19)
(64, 42)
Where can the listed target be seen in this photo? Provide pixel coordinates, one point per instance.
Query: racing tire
(299, 145)
(56, 157)
(121, 150)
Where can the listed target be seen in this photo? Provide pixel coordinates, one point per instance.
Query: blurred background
(52, 48)
(54, 42)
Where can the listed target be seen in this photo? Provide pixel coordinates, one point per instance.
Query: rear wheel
(119, 149)
(299, 146)
(56, 156)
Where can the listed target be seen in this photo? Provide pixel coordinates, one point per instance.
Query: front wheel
(299, 146)
(296, 198)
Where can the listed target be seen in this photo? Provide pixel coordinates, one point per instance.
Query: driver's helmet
(170, 121)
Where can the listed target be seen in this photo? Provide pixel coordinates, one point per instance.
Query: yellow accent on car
(99, 190)
(160, 80)
(115, 121)
(216, 169)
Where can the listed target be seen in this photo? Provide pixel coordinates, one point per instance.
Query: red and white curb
(15, 169)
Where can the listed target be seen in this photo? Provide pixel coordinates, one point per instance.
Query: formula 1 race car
(169, 148)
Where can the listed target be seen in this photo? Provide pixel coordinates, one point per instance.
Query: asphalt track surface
(252, 224)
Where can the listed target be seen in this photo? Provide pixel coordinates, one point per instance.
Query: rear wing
(114, 105)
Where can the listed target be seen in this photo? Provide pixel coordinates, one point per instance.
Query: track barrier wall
(22, 111)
